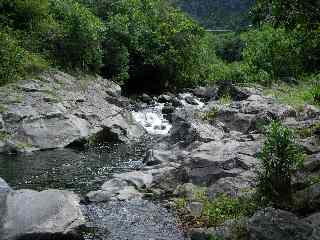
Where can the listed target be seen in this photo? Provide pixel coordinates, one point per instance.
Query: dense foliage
(148, 45)
(149, 42)
(222, 14)
(292, 14)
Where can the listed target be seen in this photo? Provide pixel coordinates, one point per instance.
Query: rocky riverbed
(150, 150)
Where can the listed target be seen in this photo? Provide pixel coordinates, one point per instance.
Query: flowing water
(152, 120)
(84, 171)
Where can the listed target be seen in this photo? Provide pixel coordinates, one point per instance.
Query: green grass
(225, 208)
(295, 95)
(225, 99)
(220, 209)
(210, 115)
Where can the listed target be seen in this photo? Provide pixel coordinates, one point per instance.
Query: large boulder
(272, 224)
(233, 186)
(59, 110)
(220, 159)
(50, 214)
(188, 127)
(134, 185)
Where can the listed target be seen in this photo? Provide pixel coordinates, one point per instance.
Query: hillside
(218, 13)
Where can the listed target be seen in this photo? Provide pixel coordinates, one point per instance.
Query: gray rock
(311, 145)
(123, 186)
(188, 127)
(164, 98)
(138, 179)
(4, 187)
(233, 186)
(207, 93)
(308, 198)
(156, 157)
(49, 214)
(313, 219)
(309, 112)
(76, 112)
(220, 159)
(195, 208)
(272, 224)
(146, 98)
(312, 163)
(127, 186)
(187, 191)
(49, 133)
(190, 100)
(114, 189)
(236, 93)
(235, 120)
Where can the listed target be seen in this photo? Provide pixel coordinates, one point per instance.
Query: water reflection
(80, 171)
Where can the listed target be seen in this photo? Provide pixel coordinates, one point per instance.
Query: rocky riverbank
(58, 110)
(213, 145)
(204, 138)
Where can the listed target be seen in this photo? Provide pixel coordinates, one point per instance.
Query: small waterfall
(152, 119)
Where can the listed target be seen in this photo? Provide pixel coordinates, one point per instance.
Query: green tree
(160, 45)
(271, 55)
(77, 43)
(292, 14)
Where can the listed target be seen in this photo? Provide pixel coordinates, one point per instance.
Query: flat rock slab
(134, 220)
(41, 215)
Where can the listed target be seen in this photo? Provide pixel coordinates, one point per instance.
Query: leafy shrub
(78, 42)
(16, 62)
(23, 14)
(229, 47)
(272, 54)
(280, 156)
